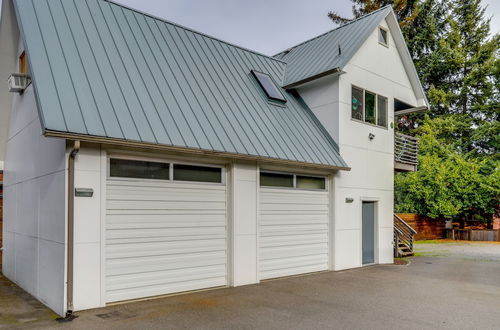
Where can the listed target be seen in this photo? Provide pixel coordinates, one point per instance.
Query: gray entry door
(368, 231)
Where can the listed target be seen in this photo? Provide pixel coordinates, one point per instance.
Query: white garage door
(163, 235)
(293, 225)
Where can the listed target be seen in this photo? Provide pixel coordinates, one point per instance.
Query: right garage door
(293, 224)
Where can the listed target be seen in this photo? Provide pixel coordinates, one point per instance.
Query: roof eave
(312, 78)
(411, 110)
(191, 151)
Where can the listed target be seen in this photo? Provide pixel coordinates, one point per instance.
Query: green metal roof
(104, 70)
(331, 50)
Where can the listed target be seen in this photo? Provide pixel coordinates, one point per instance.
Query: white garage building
(144, 158)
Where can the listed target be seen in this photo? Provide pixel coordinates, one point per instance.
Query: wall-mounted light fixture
(371, 136)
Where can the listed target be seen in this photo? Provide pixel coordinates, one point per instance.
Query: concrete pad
(429, 292)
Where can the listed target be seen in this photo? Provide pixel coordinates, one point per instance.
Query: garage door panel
(176, 220)
(163, 277)
(164, 237)
(166, 195)
(284, 208)
(193, 212)
(198, 232)
(289, 270)
(170, 224)
(293, 232)
(291, 251)
(138, 184)
(133, 250)
(290, 229)
(154, 290)
(164, 262)
(292, 239)
(294, 262)
(160, 205)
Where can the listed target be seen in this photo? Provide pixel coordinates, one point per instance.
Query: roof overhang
(189, 151)
(296, 84)
(411, 110)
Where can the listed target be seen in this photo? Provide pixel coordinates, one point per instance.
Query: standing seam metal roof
(104, 70)
(321, 54)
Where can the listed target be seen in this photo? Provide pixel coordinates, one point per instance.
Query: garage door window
(126, 168)
(137, 169)
(309, 182)
(289, 180)
(197, 173)
(276, 180)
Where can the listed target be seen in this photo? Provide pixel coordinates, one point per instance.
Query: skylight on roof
(269, 86)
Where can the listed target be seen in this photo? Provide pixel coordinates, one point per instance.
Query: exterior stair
(404, 237)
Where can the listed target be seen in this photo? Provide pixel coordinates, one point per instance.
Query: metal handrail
(405, 148)
(404, 223)
(403, 233)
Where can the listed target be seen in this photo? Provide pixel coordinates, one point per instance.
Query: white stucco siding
(243, 206)
(9, 51)
(34, 206)
(378, 69)
(322, 97)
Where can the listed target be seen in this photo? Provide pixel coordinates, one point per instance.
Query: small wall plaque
(349, 199)
(84, 192)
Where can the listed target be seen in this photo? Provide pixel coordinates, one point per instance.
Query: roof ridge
(335, 29)
(164, 20)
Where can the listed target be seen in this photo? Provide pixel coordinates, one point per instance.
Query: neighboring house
(192, 163)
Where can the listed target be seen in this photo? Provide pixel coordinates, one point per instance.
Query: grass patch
(450, 241)
(432, 241)
(428, 254)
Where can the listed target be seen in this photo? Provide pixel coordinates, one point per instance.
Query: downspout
(71, 215)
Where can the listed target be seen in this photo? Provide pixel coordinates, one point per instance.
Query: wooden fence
(473, 235)
(426, 228)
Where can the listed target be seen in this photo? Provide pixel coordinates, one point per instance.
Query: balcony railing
(405, 152)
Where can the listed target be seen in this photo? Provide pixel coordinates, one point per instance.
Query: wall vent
(18, 82)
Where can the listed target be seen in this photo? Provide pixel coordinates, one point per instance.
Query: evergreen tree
(458, 62)
(465, 77)
(406, 10)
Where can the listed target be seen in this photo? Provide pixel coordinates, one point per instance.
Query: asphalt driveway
(434, 291)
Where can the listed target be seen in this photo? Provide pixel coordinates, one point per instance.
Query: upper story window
(269, 86)
(383, 36)
(369, 107)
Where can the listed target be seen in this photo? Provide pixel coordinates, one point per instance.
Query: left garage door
(165, 229)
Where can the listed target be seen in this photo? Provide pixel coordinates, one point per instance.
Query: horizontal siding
(293, 232)
(164, 237)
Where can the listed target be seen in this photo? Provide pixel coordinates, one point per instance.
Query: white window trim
(294, 174)
(364, 108)
(171, 170)
(386, 44)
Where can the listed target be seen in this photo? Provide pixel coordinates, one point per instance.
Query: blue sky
(267, 26)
